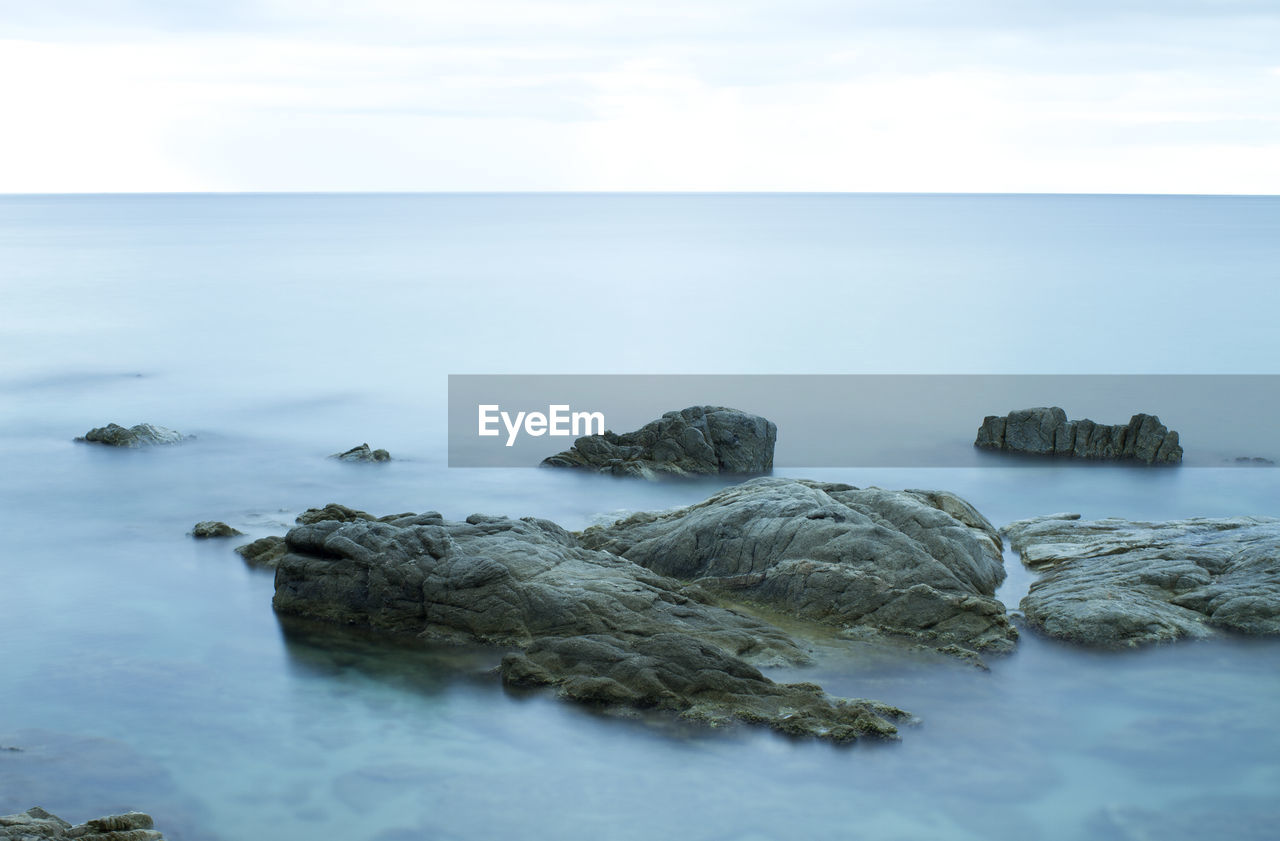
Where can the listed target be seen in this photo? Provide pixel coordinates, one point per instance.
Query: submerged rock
(601, 628)
(36, 823)
(698, 440)
(213, 528)
(140, 435)
(923, 564)
(362, 453)
(1046, 431)
(1117, 582)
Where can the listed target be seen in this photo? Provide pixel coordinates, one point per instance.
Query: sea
(143, 669)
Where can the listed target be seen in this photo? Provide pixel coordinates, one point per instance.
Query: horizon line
(938, 193)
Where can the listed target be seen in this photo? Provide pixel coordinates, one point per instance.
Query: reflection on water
(144, 669)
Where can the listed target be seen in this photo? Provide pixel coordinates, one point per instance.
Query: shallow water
(143, 669)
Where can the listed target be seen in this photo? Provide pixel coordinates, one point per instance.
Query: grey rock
(923, 564)
(140, 435)
(263, 552)
(36, 823)
(1046, 431)
(213, 528)
(602, 629)
(699, 440)
(1115, 582)
(362, 453)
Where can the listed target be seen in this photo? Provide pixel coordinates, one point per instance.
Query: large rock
(36, 823)
(599, 627)
(139, 435)
(1046, 431)
(694, 441)
(923, 564)
(1117, 582)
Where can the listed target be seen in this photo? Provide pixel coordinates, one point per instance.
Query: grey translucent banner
(861, 420)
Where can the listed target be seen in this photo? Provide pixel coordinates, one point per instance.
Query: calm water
(145, 670)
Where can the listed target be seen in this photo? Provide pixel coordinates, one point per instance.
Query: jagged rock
(140, 435)
(1046, 431)
(601, 628)
(36, 823)
(362, 453)
(213, 528)
(1116, 582)
(698, 440)
(263, 552)
(923, 564)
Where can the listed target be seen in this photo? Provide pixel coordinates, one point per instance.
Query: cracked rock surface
(1116, 582)
(36, 823)
(1046, 431)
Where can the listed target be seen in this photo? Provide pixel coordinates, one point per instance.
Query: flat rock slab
(36, 823)
(699, 440)
(1116, 582)
(601, 628)
(133, 437)
(922, 564)
(1046, 431)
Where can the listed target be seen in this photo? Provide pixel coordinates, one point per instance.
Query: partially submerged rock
(601, 628)
(1117, 582)
(139, 435)
(213, 528)
(36, 823)
(699, 440)
(923, 564)
(362, 453)
(263, 552)
(1046, 431)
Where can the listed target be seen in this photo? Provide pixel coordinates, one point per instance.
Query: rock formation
(36, 823)
(602, 629)
(1046, 431)
(695, 441)
(923, 564)
(362, 453)
(213, 528)
(140, 435)
(1121, 583)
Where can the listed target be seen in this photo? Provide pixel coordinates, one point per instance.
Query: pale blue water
(142, 669)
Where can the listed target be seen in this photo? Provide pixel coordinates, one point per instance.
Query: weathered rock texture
(263, 552)
(1121, 583)
(1046, 431)
(599, 627)
(924, 564)
(141, 435)
(362, 453)
(36, 823)
(694, 441)
(213, 528)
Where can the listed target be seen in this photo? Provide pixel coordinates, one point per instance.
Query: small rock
(362, 453)
(263, 552)
(140, 435)
(213, 528)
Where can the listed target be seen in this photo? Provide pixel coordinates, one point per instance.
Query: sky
(1093, 96)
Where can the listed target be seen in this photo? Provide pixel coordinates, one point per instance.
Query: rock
(36, 823)
(699, 440)
(141, 435)
(213, 528)
(263, 552)
(923, 564)
(362, 453)
(602, 629)
(1046, 431)
(1117, 582)
(1255, 461)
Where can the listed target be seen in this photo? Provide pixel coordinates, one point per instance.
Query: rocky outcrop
(213, 528)
(602, 629)
(922, 564)
(1046, 431)
(1122, 583)
(36, 823)
(140, 435)
(362, 453)
(699, 440)
(263, 552)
